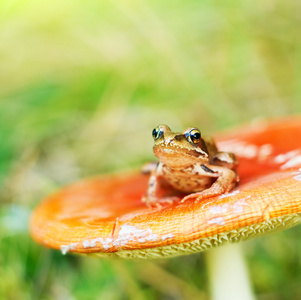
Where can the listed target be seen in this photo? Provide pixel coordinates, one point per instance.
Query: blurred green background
(83, 83)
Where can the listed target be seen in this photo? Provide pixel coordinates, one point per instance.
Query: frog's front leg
(149, 168)
(150, 198)
(224, 183)
(155, 183)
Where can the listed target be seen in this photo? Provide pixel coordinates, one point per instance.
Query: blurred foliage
(83, 83)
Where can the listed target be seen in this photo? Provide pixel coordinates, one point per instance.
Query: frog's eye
(157, 132)
(193, 136)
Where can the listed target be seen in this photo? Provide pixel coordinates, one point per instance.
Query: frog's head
(179, 149)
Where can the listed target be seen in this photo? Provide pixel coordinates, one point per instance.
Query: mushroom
(105, 216)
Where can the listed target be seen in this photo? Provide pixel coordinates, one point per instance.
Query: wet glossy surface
(106, 213)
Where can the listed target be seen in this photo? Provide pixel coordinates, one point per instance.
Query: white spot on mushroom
(239, 205)
(282, 158)
(126, 234)
(129, 233)
(264, 151)
(246, 150)
(249, 151)
(219, 209)
(66, 248)
(298, 176)
(166, 236)
(293, 162)
(104, 241)
(218, 221)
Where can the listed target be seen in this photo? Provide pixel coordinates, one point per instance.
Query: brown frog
(191, 164)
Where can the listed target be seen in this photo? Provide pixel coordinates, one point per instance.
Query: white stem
(228, 273)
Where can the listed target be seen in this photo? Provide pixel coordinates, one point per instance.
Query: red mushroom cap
(105, 215)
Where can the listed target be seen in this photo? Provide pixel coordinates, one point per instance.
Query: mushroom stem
(228, 273)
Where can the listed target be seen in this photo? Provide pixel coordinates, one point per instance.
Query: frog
(191, 164)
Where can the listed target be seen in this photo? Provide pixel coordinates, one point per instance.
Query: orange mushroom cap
(105, 216)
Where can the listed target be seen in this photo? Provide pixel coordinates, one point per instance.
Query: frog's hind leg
(224, 183)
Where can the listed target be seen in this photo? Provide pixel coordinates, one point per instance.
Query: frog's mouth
(177, 156)
(179, 152)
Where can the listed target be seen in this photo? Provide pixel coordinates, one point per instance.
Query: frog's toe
(202, 195)
(190, 196)
(169, 200)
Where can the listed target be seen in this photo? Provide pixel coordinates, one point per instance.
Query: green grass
(83, 83)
